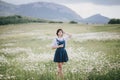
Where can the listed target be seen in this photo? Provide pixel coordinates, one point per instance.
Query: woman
(59, 44)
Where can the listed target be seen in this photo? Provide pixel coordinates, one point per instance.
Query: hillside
(49, 11)
(44, 10)
(97, 19)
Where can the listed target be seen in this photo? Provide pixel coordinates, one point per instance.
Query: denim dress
(61, 53)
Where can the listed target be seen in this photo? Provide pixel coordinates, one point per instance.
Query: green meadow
(26, 54)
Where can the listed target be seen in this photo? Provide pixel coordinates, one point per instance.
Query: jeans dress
(61, 53)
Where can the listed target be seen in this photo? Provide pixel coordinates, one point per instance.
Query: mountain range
(49, 11)
(97, 18)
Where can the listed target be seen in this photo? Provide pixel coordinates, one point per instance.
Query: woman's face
(60, 33)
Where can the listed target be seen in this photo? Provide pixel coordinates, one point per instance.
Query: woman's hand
(60, 46)
(68, 34)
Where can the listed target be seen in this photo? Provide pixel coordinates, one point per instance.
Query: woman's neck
(59, 36)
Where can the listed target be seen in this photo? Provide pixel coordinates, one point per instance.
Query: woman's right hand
(60, 46)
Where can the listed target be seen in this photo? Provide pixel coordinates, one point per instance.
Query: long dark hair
(58, 31)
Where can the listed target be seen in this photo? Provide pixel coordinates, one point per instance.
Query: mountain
(49, 11)
(97, 19)
(7, 8)
(44, 10)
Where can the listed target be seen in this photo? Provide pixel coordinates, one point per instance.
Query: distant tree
(73, 22)
(52, 22)
(60, 22)
(55, 22)
(114, 21)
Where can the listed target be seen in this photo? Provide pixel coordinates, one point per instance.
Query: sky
(85, 8)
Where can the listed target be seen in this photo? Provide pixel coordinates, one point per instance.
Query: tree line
(114, 21)
(16, 19)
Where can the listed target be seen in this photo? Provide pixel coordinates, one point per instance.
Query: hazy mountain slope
(43, 10)
(98, 18)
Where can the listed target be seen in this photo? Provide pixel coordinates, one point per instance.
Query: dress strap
(57, 40)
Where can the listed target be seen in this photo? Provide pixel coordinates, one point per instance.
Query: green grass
(107, 28)
(26, 54)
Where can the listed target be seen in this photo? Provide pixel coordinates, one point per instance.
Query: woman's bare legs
(60, 73)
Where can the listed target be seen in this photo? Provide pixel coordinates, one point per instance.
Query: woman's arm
(69, 35)
(55, 47)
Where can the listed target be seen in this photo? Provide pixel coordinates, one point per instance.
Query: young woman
(59, 44)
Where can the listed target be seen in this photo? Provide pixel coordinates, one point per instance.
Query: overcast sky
(85, 8)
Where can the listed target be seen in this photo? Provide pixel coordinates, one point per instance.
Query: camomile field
(26, 53)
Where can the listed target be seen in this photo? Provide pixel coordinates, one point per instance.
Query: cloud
(87, 9)
(98, 2)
